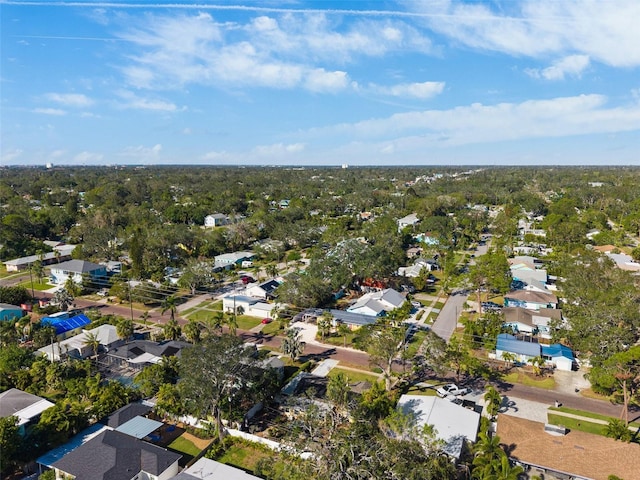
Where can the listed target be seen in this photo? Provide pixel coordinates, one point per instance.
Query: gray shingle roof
(115, 456)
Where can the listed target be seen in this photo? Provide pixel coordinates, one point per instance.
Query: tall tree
(292, 344)
(324, 324)
(172, 330)
(192, 331)
(92, 341)
(170, 304)
(384, 346)
(63, 298)
(213, 371)
(124, 328)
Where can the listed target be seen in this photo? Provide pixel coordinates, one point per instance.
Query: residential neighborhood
(272, 339)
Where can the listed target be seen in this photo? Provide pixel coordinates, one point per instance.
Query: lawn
(355, 376)
(415, 343)
(582, 413)
(247, 323)
(424, 391)
(576, 424)
(244, 456)
(524, 379)
(338, 340)
(271, 328)
(40, 286)
(183, 445)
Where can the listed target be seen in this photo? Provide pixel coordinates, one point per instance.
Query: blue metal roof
(66, 324)
(509, 343)
(557, 350)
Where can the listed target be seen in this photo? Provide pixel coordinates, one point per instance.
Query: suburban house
(140, 353)
(624, 262)
(410, 220)
(558, 355)
(114, 455)
(78, 271)
(25, 406)
(10, 312)
(252, 306)
(530, 299)
(577, 455)
(378, 303)
(66, 324)
(352, 320)
(454, 424)
(61, 253)
(419, 264)
(77, 347)
(228, 260)
(216, 220)
(531, 322)
(265, 290)
(206, 469)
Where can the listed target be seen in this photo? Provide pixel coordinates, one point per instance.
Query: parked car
(266, 320)
(247, 279)
(491, 307)
(416, 304)
(451, 390)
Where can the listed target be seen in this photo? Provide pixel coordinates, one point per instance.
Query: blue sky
(439, 82)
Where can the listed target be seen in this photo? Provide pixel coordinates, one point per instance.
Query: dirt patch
(201, 443)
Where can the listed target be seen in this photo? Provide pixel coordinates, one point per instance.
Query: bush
(618, 429)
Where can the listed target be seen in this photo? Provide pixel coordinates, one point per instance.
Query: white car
(451, 390)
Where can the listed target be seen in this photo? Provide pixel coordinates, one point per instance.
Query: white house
(228, 260)
(78, 271)
(264, 290)
(453, 424)
(77, 347)
(251, 306)
(409, 221)
(378, 303)
(206, 469)
(25, 406)
(216, 220)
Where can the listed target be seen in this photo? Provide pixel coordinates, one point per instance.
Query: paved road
(447, 319)
(567, 400)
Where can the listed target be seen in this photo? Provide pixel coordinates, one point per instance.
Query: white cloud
(422, 90)
(573, 65)
(133, 101)
(8, 156)
(291, 51)
(278, 149)
(477, 123)
(50, 111)
(605, 31)
(142, 153)
(319, 80)
(88, 158)
(77, 100)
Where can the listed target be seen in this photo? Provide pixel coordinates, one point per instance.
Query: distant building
(9, 312)
(216, 220)
(77, 270)
(409, 221)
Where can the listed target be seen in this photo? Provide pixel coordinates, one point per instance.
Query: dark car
(247, 279)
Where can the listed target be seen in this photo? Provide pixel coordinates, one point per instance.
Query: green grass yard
(183, 445)
(354, 376)
(547, 383)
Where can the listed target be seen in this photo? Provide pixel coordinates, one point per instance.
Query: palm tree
(292, 344)
(144, 317)
(214, 322)
(324, 324)
(509, 358)
(91, 340)
(506, 471)
(192, 331)
(170, 304)
(124, 328)
(172, 329)
(272, 270)
(232, 322)
(344, 330)
(537, 363)
(63, 298)
(494, 400)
